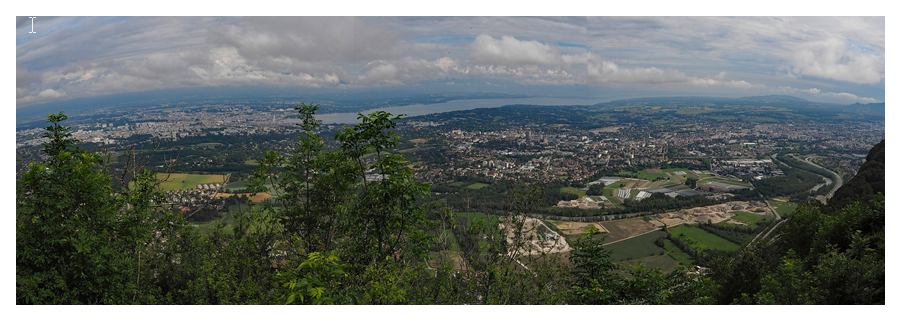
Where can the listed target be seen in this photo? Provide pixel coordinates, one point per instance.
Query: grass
(677, 254)
(646, 174)
(783, 207)
(668, 174)
(183, 181)
(476, 216)
(457, 184)
(610, 192)
(477, 186)
(636, 247)
(662, 262)
(572, 190)
(701, 239)
(748, 218)
(724, 180)
(226, 220)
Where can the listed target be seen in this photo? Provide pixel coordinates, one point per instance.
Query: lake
(455, 105)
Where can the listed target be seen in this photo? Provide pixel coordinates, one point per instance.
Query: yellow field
(576, 228)
(183, 181)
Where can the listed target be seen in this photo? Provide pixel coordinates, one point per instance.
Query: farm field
(183, 181)
(620, 229)
(226, 220)
(673, 178)
(573, 190)
(663, 262)
(677, 254)
(636, 247)
(748, 218)
(669, 176)
(575, 228)
(722, 182)
(784, 207)
(477, 186)
(701, 239)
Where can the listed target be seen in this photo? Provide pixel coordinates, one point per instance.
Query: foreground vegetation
(350, 225)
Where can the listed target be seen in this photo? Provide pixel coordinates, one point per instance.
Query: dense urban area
(649, 201)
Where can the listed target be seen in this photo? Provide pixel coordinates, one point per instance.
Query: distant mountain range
(352, 101)
(872, 111)
(331, 100)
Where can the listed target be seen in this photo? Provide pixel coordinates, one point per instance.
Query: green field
(610, 192)
(701, 239)
(665, 176)
(663, 262)
(783, 207)
(647, 174)
(226, 220)
(573, 190)
(183, 181)
(677, 254)
(636, 247)
(476, 217)
(724, 180)
(477, 186)
(457, 184)
(750, 219)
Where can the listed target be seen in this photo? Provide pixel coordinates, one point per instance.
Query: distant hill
(869, 181)
(812, 109)
(776, 99)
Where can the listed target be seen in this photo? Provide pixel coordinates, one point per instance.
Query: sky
(831, 59)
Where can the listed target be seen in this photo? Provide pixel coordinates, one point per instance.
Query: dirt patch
(578, 228)
(634, 183)
(537, 238)
(620, 229)
(711, 214)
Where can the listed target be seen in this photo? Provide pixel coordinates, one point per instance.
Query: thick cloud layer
(839, 59)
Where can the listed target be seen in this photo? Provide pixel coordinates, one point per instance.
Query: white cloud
(816, 92)
(509, 51)
(96, 56)
(835, 59)
(533, 61)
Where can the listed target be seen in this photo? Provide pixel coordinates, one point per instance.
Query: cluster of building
(544, 154)
(165, 122)
(201, 197)
(586, 202)
(753, 168)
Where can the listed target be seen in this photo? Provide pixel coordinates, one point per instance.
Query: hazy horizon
(826, 59)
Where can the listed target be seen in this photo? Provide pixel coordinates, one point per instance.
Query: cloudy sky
(825, 59)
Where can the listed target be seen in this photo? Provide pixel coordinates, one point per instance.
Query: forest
(350, 224)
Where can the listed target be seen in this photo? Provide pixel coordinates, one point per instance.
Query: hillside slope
(869, 181)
